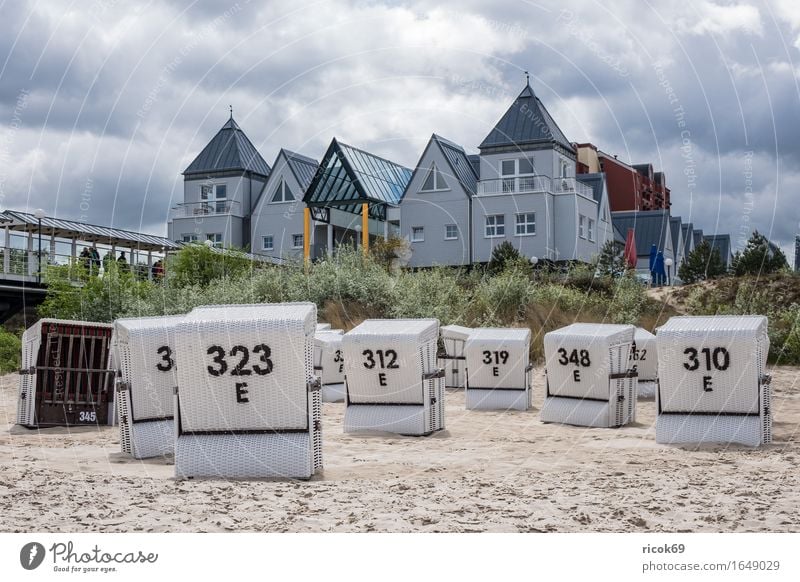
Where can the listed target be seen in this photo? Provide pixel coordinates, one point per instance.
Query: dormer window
(283, 193)
(434, 181)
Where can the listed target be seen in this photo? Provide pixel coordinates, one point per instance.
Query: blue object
(658, 270)
(653, 254)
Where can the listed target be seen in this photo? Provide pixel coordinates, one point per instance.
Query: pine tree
(611, 262)
(758, 258)
(704, 262)
(504, 255)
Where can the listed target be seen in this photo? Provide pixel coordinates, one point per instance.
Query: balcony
(205, 208)
(528, 184)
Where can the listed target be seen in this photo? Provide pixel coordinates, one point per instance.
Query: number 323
(240, 369)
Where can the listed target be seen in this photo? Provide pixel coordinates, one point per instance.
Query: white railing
(205, 208)
(528, 184)
(23, 265)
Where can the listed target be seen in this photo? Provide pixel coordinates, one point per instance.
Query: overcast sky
(102, 105)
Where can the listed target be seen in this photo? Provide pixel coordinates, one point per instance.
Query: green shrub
(10, 350)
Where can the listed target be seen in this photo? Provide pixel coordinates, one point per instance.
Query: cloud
(122, 98)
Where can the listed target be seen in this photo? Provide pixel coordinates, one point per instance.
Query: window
(495, 226)
(188, 238)
(434, 181)
(526, 166)
(417, 234)
(267, 243)
(450, 232)
(297, 241)
(508, 167)
(582, 226)
(564, 167)
(217, 193)
(590, 229)
(215, 238)
(283, 193)
(526, 223)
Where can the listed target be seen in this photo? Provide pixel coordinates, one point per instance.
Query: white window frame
(455, 236)
(264, 246)
(437, 187)
(212, 236)
(582, 226)
(563, 169)
(524, 223)
(189, 238)
(495, 226)
(590, 228)
(417, 234)
(294, 241)
(517, 172)
(282, 188)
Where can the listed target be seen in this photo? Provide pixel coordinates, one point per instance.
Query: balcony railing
(527, 184)
(205, 208)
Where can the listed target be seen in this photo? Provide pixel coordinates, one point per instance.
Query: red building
(634, 187)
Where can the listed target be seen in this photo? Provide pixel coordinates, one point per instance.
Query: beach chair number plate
(495, 357)
(714, 359)
(167, 363)
(338, 359)
(220, 366)
(384, 359)
(578, 358)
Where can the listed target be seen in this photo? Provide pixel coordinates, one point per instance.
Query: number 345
(240, 369)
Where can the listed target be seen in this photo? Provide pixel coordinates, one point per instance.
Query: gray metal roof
(26, 222)
(460, 164)
(688, 239)
(302, 167)
(526, 122)
(650, 227)
(595, 182)
(619, 236)
(475, 160)
(229, 150)
(698, 237)
(721, 242)
(675, 229)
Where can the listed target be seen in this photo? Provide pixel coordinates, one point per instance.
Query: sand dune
(488, 471)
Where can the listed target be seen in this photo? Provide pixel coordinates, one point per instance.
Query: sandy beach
(489, 471)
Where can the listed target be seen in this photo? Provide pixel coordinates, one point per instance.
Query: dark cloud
(122, 98)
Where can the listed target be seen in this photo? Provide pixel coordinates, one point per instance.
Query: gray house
(651, 227)
(522, 189)
(437, 206)
(721, 242)
(277, 219)
(220, 188)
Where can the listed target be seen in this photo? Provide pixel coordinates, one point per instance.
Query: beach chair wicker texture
(144, 352)
(644, 358)
(498, 374)
(329, 365)
(66, 378)
(713, 386)
(588, 380)
(248, 403)
(452, 360)
(391, 378)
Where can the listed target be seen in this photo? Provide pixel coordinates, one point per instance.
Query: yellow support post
(307, 235)
(365, 227)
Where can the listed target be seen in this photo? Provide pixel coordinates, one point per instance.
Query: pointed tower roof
(527, 122)
(229, 151)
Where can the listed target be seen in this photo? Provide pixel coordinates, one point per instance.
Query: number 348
(220, 364)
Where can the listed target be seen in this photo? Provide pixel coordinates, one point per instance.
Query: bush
(702, 263)
(503, 256)
(759, 258)
(198, 264)
(10, 351)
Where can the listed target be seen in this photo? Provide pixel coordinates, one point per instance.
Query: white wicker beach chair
(144, 353)
(323, 326)
(66, 378)
(391, 379)
(589, 382)
(248, 403)
(498, 370)
(712, 381)
(451, 360)
(644, 360)
(329, 365)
